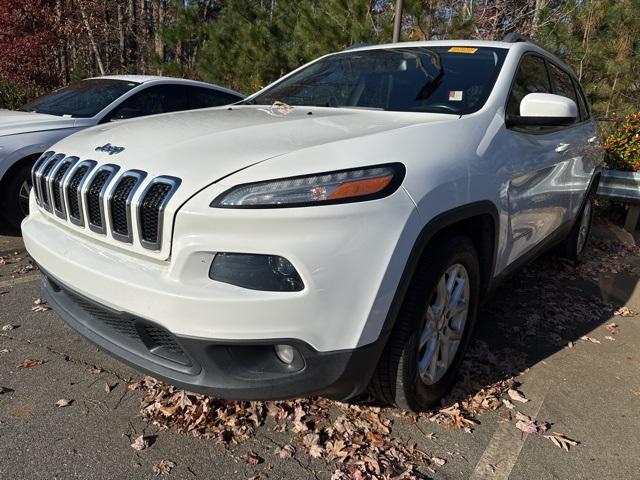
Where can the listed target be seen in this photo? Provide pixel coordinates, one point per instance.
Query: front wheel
(14, 196)
(433, 328)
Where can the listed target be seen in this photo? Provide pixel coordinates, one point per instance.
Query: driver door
(539, 167)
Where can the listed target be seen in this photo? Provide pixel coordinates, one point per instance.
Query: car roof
(522, 45)
(162, 79)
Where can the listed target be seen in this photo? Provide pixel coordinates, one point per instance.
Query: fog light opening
(285, 353)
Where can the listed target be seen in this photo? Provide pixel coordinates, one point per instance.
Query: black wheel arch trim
(437, 225)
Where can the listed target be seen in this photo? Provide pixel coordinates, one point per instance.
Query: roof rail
(515, 37)
(357, 45)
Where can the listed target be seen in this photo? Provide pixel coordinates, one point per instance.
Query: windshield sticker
(463, 50)
(455, 95)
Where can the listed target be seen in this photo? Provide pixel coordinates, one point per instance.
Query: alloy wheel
(444, 322)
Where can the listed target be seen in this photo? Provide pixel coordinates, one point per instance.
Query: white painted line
(504, 448)
(19, 280)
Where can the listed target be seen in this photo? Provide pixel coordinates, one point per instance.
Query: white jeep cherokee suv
(335, 231)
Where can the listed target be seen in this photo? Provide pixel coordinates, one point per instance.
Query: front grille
(151, 209)
(138, 335)
(73, 189)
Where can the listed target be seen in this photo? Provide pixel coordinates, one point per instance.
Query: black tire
(396, 380)
(573, 246)
(13, 207)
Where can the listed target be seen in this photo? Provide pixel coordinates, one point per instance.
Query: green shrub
(622, 147)
(13, 95)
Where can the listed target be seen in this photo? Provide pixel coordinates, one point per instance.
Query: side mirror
(544, 110)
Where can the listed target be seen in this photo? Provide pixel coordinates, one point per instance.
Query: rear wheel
(14, 195)
(575, 244)
(433, 328)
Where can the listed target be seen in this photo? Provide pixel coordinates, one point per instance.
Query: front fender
(14, 148)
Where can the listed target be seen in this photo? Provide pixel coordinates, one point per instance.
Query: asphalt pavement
(577, 374)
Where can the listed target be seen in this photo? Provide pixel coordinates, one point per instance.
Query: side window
(562, 84)
(199, 97)
(157, 99)
(531, 78)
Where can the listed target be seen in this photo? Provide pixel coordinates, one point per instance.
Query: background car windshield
(83, 99)
(443, 80)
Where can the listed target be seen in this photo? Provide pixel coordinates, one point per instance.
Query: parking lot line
(505, 446)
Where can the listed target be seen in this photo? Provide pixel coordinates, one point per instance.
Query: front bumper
(233, 370)
(350, 257)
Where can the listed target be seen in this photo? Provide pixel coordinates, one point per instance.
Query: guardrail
(623, 187)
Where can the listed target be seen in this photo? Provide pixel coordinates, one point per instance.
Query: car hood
(202, 146)
(14, 122)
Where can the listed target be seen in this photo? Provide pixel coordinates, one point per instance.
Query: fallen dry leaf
(286, 451)
(251, 458)
(624, 312)
(560, 441)
(40, 305)
(141, 443)
(108, 387)
(507, 403)
(517, 396)
(30, 362)
(610, 338)
(613, 328)
(63, 402)
(439, 462)
(589, 339)
(530, 425)
(163, 467)
(8, 327)
(570, 345)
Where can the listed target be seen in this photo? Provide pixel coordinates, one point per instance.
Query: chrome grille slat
(37, 166)
(94, 197)
(151, 205)
(57, 177)
(72, 188)
(42, 180)
(119, 202)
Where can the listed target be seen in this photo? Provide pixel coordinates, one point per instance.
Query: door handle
(562, 147)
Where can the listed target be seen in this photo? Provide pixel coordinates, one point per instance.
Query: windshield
(454, 80)
(83, 99)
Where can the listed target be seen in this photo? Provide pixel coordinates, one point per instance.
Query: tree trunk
(121, 37)
(92, 41)
(613, 89)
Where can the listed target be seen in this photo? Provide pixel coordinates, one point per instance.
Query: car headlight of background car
(353, 185)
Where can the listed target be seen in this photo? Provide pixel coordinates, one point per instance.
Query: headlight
(352, 185)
